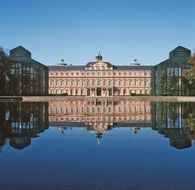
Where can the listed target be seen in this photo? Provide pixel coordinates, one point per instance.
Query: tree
(189, 75)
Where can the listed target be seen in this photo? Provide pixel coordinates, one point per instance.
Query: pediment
(99, 65)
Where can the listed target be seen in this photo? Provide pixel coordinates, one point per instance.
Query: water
(97, 145)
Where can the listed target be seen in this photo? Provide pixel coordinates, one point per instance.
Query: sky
(124, 30)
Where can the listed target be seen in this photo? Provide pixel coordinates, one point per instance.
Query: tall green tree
(189, 76)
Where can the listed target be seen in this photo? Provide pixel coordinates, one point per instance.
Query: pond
(93, 145)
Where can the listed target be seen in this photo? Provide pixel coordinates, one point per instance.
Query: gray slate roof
(82, 67)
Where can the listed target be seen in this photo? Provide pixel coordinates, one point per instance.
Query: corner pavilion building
(99, 78)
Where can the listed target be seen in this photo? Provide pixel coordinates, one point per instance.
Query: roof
(82, 67)
(20, 51)
(180, 48)
(127, 67)
(66, 68)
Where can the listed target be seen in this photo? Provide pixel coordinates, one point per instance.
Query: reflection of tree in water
(189, 115)
(190, 121)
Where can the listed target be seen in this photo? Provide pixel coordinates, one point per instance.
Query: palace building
(99, 78)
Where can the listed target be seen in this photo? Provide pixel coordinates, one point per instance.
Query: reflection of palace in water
(175, 121)
(99, 111)
(99, 115)
(19, 122)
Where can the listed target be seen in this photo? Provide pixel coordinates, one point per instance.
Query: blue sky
(74, 29)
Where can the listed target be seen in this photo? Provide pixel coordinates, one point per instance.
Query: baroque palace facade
(99, 78)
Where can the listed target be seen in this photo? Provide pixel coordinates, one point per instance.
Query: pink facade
(100, 78)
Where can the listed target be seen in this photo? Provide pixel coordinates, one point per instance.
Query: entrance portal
(99, 91)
